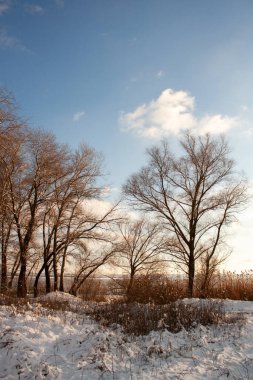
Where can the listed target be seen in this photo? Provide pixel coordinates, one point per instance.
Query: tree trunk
(47, 278)
(35, 285)
(14, 271)
(191, 274)
(130, 284)
(4, 273)
(73, 291)
(55, 272)
(21, 288)
(61, 288)
(45, 267)
(4, 246)
(77, 283)
(55, 269)
(205, 281)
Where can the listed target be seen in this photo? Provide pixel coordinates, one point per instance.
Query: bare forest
(172, 217)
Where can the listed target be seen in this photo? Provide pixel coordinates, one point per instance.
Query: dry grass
(155, 289)
(140, 319)
(232, 286)
(158, 289)
(93, 290)
(10, 299)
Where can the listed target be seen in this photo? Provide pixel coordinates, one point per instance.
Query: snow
(37, 343)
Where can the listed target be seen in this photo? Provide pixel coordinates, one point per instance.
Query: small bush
(155, 288)
(140, 319)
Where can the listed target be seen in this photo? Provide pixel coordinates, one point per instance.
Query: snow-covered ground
(38, 344)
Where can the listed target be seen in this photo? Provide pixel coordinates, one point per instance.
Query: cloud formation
(160, 74)
(170, 114)
(34, 9)
(9, 42)
(4, 6)
(78, 115)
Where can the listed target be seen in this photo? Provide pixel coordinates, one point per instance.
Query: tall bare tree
(11, 129)
(44, 191)
(140, 247)
(195, 196)
(75, 232)
(36, 165)
(66, 218)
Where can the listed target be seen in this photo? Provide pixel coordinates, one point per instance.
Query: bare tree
(195, 196)
(78, 184)
(139, 247)
(87, 261)
(36, 164)
(44, 190)
(75, 232)
(11, 128)
(66, 218)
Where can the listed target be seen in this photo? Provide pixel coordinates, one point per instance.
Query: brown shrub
(232, 285)
(158, 289)
(155, 288)
(93, 290)
(140, 319)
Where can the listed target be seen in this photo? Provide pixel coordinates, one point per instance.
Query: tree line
(49, 220)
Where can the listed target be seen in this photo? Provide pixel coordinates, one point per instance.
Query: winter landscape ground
(38, 343)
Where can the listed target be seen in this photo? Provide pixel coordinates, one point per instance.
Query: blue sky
(119, 75)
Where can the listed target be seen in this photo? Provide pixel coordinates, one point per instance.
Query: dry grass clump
(140, 319)
(158, 289)
(232, 286)
(10, 299)
(161, 289)
(93, 290)
(155, 288)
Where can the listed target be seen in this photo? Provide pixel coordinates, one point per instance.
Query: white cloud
(4, 6)
(33, 9)
(78, 115)
(170, 114)
(160, 74)
(6, 40)
(9, 42)
(216, 124)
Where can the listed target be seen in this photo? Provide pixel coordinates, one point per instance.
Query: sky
(120, 75)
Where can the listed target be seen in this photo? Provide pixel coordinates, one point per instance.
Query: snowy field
(40, 344)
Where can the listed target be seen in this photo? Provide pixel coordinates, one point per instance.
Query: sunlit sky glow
(121, 74)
